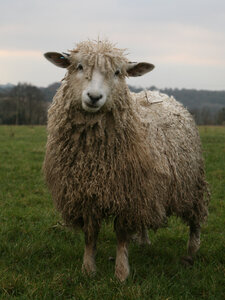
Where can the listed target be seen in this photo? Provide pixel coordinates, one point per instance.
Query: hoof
(122, 272)
(121, 276)
(88, 269)
(187, 261)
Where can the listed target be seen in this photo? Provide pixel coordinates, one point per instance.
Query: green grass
(40, 259)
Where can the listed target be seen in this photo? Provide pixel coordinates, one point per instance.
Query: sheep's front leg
(122, 268)
(91, 234)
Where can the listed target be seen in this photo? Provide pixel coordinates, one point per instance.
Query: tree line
(25, 104)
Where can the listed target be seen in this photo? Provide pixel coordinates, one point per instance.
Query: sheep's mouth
(90, 107)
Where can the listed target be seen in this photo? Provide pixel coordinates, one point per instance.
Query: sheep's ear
(139, 69)
(58, 59)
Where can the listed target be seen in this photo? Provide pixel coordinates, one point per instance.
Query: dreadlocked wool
(138, 158)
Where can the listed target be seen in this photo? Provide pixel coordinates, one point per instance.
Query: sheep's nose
(94, 98)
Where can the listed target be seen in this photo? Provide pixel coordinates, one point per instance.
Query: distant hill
(5, 88)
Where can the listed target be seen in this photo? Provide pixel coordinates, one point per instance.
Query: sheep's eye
(80, 67)
(117, 72)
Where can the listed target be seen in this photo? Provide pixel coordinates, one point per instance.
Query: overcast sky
(185, 39)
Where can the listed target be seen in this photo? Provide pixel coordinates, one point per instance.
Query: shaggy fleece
(138, 159)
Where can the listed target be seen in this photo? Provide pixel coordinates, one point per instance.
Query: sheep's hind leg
(122, 268)
(89, 266)
(193, 243)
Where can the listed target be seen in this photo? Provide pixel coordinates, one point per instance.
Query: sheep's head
(96, 70)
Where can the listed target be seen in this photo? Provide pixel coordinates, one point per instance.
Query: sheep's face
(96, 92)
(97, 87)
(96, 72)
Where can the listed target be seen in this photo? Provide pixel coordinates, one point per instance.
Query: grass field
(42, 260)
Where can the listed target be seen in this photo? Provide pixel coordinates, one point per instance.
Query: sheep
(135, 158)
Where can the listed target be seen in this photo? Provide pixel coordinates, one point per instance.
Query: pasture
(40, 259)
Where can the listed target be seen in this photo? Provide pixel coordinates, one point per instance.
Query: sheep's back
(174, 138)
(169, 126)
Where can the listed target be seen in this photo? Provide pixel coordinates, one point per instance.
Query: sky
(185, 40)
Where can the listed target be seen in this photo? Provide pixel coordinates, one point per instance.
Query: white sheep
(136, 157)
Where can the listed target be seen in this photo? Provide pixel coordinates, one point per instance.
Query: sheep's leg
(193, 243)
(91, 235)
(122, 268)
(194, 239)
